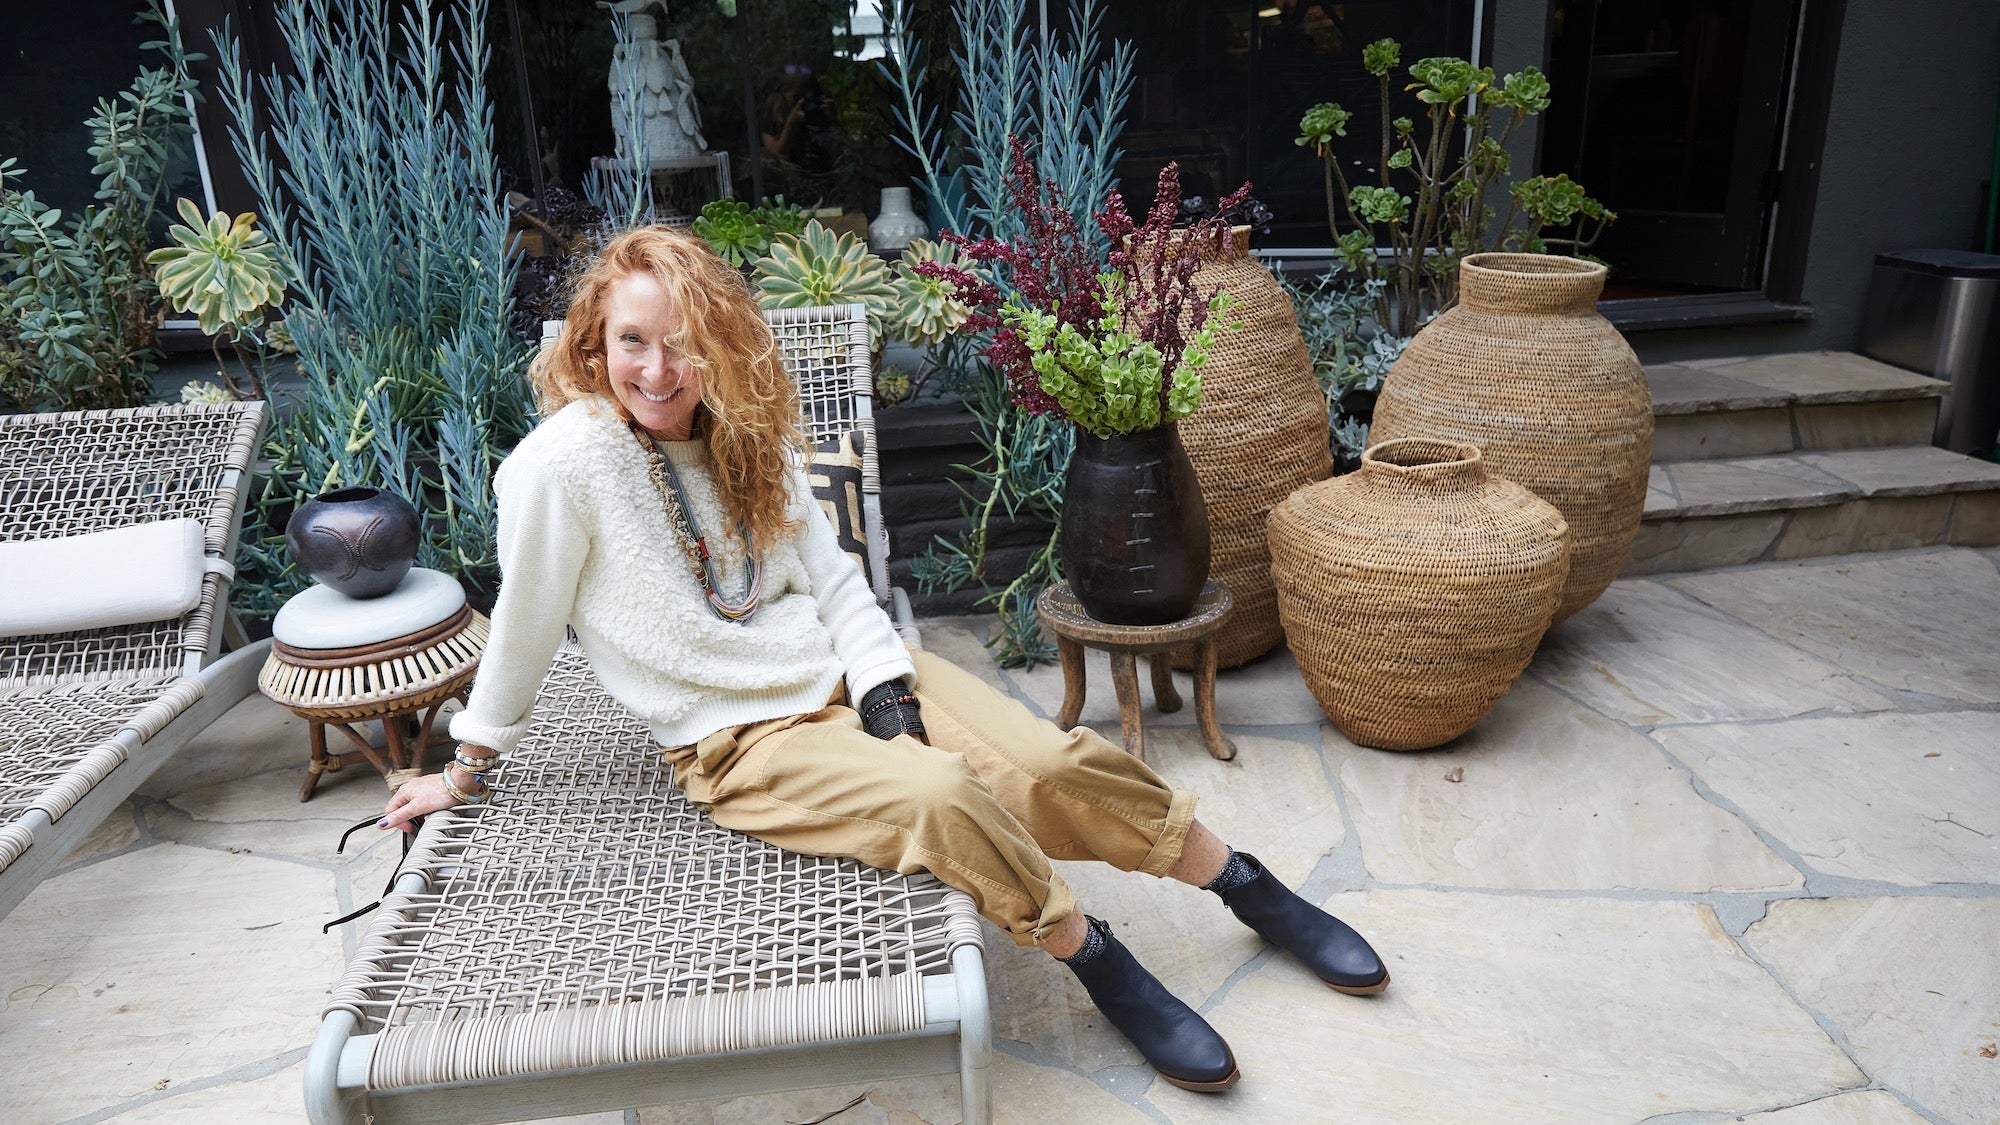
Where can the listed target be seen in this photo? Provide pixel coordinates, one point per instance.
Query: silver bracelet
(461, 795)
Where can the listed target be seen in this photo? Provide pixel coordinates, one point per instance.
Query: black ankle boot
(1327, 945)
(1173, 1037)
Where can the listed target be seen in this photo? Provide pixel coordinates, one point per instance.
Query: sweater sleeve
(863, 636)
(542, 548)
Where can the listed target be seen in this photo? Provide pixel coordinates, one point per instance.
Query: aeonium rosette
(1114, 344)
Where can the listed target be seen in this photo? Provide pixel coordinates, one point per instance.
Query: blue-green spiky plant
(1068, 96)
(374, 169)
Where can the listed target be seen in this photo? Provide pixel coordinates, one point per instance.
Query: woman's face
(653, 381)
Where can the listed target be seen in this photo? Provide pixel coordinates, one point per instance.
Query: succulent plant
(278, 338)
(781, 217)
(223, 270)
(819, 267)
(892, 385)
(206, 393)
(732, 229)
(926, 309)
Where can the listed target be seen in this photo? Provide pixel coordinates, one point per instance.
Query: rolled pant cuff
(1167, 849)
(1060, 905)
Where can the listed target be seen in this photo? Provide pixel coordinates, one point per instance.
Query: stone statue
(666, 90)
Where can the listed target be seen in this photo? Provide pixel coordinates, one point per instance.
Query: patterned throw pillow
(835, 475)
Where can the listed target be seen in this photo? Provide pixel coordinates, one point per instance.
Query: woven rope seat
(635, 930)
(88, 471)
(59, 744)
(591, 941)
(86, 715)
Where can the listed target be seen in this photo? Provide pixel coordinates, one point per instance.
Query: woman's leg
(1082, 797)
(1202, 857)
(823, 786)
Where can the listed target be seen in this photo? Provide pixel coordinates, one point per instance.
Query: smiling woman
(774, 685)
(652, 378)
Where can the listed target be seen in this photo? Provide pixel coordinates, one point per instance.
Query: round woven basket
(1525, 369)
(1414, 590)
(1261, 432)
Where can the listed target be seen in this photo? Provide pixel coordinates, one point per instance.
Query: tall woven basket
(1525, 369)
(1413, 591)
(1261, 432)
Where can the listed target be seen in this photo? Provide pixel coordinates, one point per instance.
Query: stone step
(1801, 402)
(1727, 512)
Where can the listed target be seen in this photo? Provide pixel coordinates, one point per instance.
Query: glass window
(52, 75)
(1220, 86)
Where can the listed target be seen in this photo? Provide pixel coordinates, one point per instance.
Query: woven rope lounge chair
(591, 941)
(87, 715)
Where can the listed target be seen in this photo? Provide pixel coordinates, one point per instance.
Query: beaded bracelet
(883, 703)
(474, 765)
(461, 795)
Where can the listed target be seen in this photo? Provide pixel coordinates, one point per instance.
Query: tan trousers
(984, 807)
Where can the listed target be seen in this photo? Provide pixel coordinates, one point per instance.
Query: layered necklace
(694, 545)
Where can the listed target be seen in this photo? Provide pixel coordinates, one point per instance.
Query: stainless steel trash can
(1938, 312)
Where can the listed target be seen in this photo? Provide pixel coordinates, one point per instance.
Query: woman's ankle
(1068, 936)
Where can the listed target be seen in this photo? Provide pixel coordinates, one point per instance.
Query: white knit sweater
(584, 541)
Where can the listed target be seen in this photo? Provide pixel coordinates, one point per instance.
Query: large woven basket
(1525, 369)
(1261, 432)
(1413, 591)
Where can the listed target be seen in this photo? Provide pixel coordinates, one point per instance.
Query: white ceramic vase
(897, 226)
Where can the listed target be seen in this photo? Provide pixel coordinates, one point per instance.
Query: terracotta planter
(1261, 432)
(1414, 590)
(1134, 529)
(1525, 369)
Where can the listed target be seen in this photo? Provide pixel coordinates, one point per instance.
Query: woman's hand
(890, 709)
(418, 797)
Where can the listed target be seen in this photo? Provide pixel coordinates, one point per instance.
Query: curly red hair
(751, 405)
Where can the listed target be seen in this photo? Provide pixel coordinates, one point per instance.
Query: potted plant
(1428, 206)
(228, 273)
(818, 266)
(741, 234)
(1114, 344)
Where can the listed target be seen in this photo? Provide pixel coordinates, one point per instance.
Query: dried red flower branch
(1053, 267)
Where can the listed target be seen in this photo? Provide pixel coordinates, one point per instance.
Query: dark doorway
(1670, 112)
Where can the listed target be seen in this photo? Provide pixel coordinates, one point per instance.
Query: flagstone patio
(1729, 851)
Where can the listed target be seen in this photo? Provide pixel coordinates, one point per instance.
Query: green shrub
(77, 299)
(388, 219)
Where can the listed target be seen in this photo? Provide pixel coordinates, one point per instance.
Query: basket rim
(1513, 263)
(1464, 455)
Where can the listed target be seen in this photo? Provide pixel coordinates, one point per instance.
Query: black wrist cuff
(890, 709)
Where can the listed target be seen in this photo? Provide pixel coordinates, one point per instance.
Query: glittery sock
(1235, 873)
(1093, 942)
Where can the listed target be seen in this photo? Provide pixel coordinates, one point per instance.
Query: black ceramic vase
(1134, 528)
(360, 541)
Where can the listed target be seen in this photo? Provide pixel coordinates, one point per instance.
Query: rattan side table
(1076, 630)
(407, 676)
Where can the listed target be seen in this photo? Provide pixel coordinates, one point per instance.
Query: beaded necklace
(694, 546)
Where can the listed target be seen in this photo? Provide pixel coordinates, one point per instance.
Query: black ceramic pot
(1134, 528)
(360, 541)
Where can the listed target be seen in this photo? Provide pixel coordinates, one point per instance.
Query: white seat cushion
(323, 617)
(128, 575)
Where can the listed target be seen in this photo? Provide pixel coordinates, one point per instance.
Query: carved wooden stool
(1076, 630)
(336, 661)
